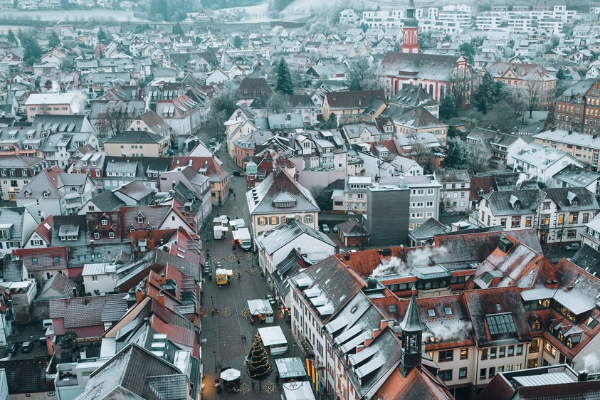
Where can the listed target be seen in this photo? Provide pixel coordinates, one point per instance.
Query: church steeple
(412, 337)
(410, 31)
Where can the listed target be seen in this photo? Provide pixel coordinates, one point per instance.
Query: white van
(47, 323)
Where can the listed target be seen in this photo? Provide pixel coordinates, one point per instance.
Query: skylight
(501, 324)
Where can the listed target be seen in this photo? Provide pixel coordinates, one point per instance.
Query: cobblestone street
(222, 343)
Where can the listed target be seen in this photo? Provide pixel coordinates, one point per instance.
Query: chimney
(139, 295)
(74, 292)
(161, 299)
(583, 376)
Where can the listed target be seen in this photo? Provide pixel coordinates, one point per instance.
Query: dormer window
(96, 235)
(132, 228)
(111, 234)
(148, 227)
(284, 200)
(140, 218)
(515, 202)
(104, 221)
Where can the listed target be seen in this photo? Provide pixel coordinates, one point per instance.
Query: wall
(40, 310)
(309, 179)
(103, 283)
(387, 216)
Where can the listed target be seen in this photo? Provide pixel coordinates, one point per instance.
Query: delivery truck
(220, 226)
(242, 238)
(223, 276)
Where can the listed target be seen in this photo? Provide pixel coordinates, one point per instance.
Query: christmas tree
(258, 365)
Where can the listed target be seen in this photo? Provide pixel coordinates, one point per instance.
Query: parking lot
(24, 333)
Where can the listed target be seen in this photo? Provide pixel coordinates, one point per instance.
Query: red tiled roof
(418, 385)
(177, 328)
(42, 231)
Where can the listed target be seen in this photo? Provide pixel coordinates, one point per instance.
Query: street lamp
(215, 354)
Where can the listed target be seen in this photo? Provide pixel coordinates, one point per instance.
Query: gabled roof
(59, 286)
(135, 137)
(353, 99)
(107, 201)
(26, 376)
(419, 384)
(80, 312)
(134, 371)
(415, 66)
(286, 233)
(506, 301)
(260, 198)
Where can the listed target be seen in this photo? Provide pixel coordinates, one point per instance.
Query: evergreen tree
(284, 78)
(560, 75)
(258, 365)
(102, 37)
(53, 40)
(178, 30)
(458, 154)
(237, 42)
(31, 48)
(11, 37)
(448, 107)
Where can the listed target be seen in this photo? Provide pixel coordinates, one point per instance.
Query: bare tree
(279, 104)
(534, 90)
(479, 158)
(115, 117)
(420, 153)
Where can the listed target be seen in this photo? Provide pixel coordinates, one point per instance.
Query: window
(501, 324)
(503, 222)
(446, 355)
(97, 235)
(445, 375)
(518, 366)
(527, 222)
(561, 219)
(462, 373)
(484, 354)
(586, 218)
(464, 353)
(493, 352)
(308, 218)
(573, 218)
(492, 372)
(262, 220)
(431, 312)
(519, 349)
(546, 205)
(94, 278)
(515, 222)
(34, 261)
(104, 222)
(447, 311)
(55, 260)
(111, 234)
(273, 220)
(482, 373)
(571, 233)
(140, 218)
(511, 351)
(548, 348)
(501, 351)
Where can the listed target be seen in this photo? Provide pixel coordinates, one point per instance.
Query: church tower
(410, 31)
(412, 336)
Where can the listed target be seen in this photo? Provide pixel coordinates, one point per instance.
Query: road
(222, 344)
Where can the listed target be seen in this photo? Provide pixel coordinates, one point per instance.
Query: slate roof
(428, 230)
(506, 300)
(135, 137)
(588, 259)
(353, 228)
(61, 284)
(443, 175)
(61, 123)
(341, 283)
(418, 66)
(412, 96)
(260, 198)
(107, 201)
(154, 122)
(13, 216)
(134, 370)
(26, 376)
(135, 189)
(14, 161)
(254, 88)
(500, 202)
(283, 234)
(353, 99)
(579, 177)
(89, 311)
(418, 118)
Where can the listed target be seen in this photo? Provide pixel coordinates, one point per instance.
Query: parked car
(336, 229)
(572, 246)
(206, 270)
(27, 347)
(272, 301)
(325, 228)
(42, 340)
(238, 173)
(11, 348)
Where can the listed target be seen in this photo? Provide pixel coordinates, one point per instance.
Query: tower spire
(410, 31)
(412, 337)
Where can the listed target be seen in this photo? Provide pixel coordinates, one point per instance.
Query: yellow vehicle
(223, 276)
